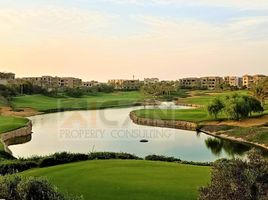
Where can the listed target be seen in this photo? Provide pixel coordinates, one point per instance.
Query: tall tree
(260, 90)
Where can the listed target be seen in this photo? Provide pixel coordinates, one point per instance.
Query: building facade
(234, 81)
(90, 84)
(5, 78)
(211, 82)
(190, 83)
(121, 84)
(150, 80)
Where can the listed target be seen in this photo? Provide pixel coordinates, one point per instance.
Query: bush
(62, 158)
(14, 166)
(238, 179)
(74, 92)
(111, 155)
(162, 158)
(17, 188)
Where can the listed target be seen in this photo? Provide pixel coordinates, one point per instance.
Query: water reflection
(113, 130)
(232, 149)
(19, 140)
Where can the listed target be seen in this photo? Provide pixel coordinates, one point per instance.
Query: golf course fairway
(127, 179)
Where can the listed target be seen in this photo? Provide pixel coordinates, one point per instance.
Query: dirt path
(26, 112)
(243, 123)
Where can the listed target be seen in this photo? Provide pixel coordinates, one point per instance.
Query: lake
(112, 130)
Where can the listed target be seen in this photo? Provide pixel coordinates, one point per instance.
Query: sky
(109, 39)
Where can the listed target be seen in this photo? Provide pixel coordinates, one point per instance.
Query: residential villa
(6, 77)
(190, 82)
(51, 83)
(90, 84)
(249, 81)
(234, 81)
(121, 84)
(211, 82)
(151, 80)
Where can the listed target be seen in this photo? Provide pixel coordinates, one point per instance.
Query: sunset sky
(105, 39)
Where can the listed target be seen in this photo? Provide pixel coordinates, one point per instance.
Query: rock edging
(163, 123)
(189, 105)
(20, 132)
(184, 125)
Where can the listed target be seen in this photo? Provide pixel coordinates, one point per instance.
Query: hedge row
(19, 165)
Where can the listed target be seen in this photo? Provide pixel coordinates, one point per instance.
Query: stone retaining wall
(24, 131)
(163, 123)
(190, 105)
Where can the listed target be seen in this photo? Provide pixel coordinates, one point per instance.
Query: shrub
(13, 166)
(62, 158)
(14, 187)
(111, 155)
(161, 158)
(238, 179)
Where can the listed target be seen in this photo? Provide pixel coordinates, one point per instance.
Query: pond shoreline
(186, 125)
(20, 132)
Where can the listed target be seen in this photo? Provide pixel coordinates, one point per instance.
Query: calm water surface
(112, 130)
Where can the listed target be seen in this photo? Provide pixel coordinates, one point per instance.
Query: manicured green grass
(252, 134)
(118, 179)
(193, 115)
(101, 100)
(2, 102)
(9, 123)
(205, 97)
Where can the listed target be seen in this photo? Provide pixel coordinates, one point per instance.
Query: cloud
(53, 21)
(241, 4)
(247, 29)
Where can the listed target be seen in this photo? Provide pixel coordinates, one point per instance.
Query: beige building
(258, 77)
(5, 78)
(90, 84)
(190, 82)
(121, 84)
(233, 81)
(50, 82)
(211, 82)
(70, 82)
(151, 80)
(249, 81)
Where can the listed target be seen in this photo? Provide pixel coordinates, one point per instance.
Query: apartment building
(258, 77)
(50, 82)
(233, 81)
(190, 83)
(5, 78)
(150, 80)
(211, 82)
(90, 84)
(121, 84)
(249, 81)
(70, 82)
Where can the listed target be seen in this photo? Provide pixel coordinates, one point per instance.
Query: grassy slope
(43, 103)
(9, 123)
(194, 115)
(117, 179)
